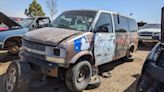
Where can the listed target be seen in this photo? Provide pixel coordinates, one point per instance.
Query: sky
(143, 10)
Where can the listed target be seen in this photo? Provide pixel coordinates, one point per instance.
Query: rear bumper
(155, 72)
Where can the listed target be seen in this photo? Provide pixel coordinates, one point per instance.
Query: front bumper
(40, 61)
(155, 72)
(147, 39)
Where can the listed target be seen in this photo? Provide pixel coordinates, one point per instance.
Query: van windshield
(76, 20)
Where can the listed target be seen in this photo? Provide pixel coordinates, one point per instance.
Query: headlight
(55, 55)
(57, 52)
(139, 33)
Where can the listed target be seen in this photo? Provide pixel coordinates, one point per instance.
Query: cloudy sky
(143, 10)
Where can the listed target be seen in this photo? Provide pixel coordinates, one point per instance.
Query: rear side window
(121, 23)
(133, 27)
(105, 18)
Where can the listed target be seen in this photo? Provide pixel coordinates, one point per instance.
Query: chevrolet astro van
(77, 42)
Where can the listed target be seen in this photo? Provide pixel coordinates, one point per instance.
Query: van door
(104, 42)
(122, 36)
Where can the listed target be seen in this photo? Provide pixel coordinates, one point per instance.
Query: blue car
(10, 36)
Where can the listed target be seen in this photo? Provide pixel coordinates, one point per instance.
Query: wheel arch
(132, 47)
(11, 37)
(84, 55)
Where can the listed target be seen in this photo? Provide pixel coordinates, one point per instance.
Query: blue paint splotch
(81, 44)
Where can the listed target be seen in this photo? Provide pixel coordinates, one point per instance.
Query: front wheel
(79, 76)
(17, 78)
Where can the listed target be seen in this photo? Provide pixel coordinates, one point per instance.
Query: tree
(52, 8)
(34, 9)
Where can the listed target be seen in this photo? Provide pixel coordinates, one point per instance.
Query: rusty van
(77, 42)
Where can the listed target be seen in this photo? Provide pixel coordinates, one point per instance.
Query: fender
(3, 42)
(82, 53)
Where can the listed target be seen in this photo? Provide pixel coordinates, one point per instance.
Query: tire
(129, 57)
(94, 84)
(13, 47)
(78, 76)
(17, 78)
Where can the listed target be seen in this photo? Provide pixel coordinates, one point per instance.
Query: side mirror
(103, 28)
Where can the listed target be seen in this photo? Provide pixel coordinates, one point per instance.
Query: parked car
(72, 49)
(151, 79)
(147, 31)
(12, 32)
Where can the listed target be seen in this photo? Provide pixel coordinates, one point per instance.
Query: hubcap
(82, 75)
(11, 80)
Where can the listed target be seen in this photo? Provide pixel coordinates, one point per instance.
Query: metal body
(98, 47)
(14, 30)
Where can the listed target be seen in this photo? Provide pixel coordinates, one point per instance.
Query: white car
(147, 32)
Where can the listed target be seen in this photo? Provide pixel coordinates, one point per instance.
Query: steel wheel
(11, 80)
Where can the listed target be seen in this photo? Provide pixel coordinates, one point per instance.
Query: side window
(105, 19)
(121, 23)
(133, 27)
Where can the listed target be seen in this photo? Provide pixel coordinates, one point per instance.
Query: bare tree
(52, 8)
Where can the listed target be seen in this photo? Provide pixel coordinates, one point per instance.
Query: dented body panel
(68, 45)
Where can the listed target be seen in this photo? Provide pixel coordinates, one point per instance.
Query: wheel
(78, 76)
(95, 83)
(13, 47)
(17, 78)
(129, 57)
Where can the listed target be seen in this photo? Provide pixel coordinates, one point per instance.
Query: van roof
(99, 10)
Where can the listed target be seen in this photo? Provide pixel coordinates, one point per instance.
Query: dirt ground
(124, 75)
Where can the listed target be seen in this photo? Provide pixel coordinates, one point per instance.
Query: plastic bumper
(147, 39)
(155, 72)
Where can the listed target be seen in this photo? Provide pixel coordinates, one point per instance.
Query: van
(77, 42)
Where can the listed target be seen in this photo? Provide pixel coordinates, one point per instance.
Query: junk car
(73, 48)
(12, 32)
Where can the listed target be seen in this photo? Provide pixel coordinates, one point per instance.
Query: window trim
(97, 18)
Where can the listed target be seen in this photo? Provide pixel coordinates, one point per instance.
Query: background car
(147, 31)
(11, 32)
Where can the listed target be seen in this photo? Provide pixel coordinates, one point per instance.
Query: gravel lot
(124, 75)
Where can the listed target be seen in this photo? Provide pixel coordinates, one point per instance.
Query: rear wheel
(129, 57)
(78, 76)
(17, 78)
